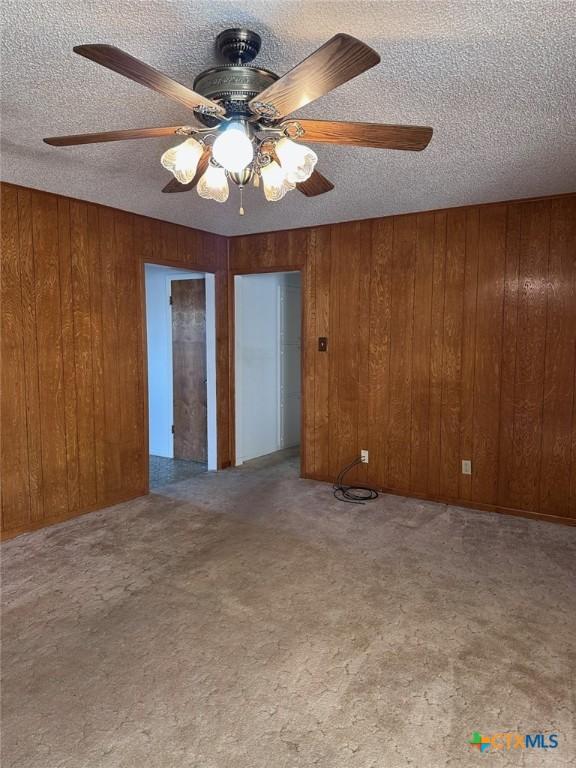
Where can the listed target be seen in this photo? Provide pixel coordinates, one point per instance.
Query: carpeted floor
(247, 619)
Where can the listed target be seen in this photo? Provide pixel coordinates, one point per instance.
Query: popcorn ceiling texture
(496, 80)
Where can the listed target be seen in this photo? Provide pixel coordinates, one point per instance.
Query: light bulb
(233, 149)
(183, 160)
(275, 182)
(297, 160)
(213, 184)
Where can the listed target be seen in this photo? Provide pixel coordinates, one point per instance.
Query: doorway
(181, 340)
(267, 365)
(190, 397)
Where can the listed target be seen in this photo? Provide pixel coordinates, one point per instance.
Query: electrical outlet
(466, 467)
(364, 457)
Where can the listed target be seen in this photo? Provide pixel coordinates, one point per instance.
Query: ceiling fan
(241, 130)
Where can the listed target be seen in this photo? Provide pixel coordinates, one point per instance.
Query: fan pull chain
(241, 211)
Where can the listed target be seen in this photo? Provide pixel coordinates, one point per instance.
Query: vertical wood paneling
(82, 274)
(307, 336)
(143, 241)
(436, 353)
(335, 358)
(129, 338)
(508, 361)
(421, 349)
(451, 335)
(362, 236)
(319, 262)
(95, 412)
(530, 355)
(452, 354)
(471, 351)
(68, 361)
(560, 363)
(31, 385)
(401, 321)
(109, 271)
(469, 328)
(165, 242)
(73, 378)
(344, 356)
(50, 357)
(15, 472)
(382, 232)
(488, 353)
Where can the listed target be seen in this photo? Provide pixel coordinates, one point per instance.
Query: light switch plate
(466, 467)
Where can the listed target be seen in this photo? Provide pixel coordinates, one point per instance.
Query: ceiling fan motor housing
(233, 85)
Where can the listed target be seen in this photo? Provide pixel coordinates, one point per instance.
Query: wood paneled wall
(74, 415)
(451, 336)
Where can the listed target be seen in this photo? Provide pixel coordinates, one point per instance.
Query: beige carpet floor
(247, 619)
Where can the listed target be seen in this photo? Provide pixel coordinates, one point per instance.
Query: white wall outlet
(364, 457)
(466, 467)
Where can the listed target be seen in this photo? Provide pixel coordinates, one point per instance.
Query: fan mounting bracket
(238, 45)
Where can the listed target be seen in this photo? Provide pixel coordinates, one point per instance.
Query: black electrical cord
(353, 494)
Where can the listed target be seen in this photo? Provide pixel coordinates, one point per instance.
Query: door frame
(183, 273)
(279, 364)
(232, 274)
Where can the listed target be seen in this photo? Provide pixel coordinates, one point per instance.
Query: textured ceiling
(496, 80)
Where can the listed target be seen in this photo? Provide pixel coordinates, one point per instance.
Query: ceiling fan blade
(337, 61)
(118, 61)
(315, 185)
(407, 137)
(95, 138)
(175, 186)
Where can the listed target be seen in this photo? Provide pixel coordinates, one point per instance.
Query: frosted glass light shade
(275, 182)
(233, 149)
(297, 160)
(213, 184)
(183, 160)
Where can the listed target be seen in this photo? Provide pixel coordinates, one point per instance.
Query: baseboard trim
(36, 525)
(558, 519)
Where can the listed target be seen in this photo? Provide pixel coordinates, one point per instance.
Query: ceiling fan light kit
(275, 182)
(297, 160)
(233, 148)
(241, 133)
(213, 184)
(183, 160)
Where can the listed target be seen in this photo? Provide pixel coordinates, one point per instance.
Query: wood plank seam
(25, 382)
(36, 377)
(58, 262)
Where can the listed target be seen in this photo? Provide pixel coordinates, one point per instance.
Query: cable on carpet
(353, 494)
